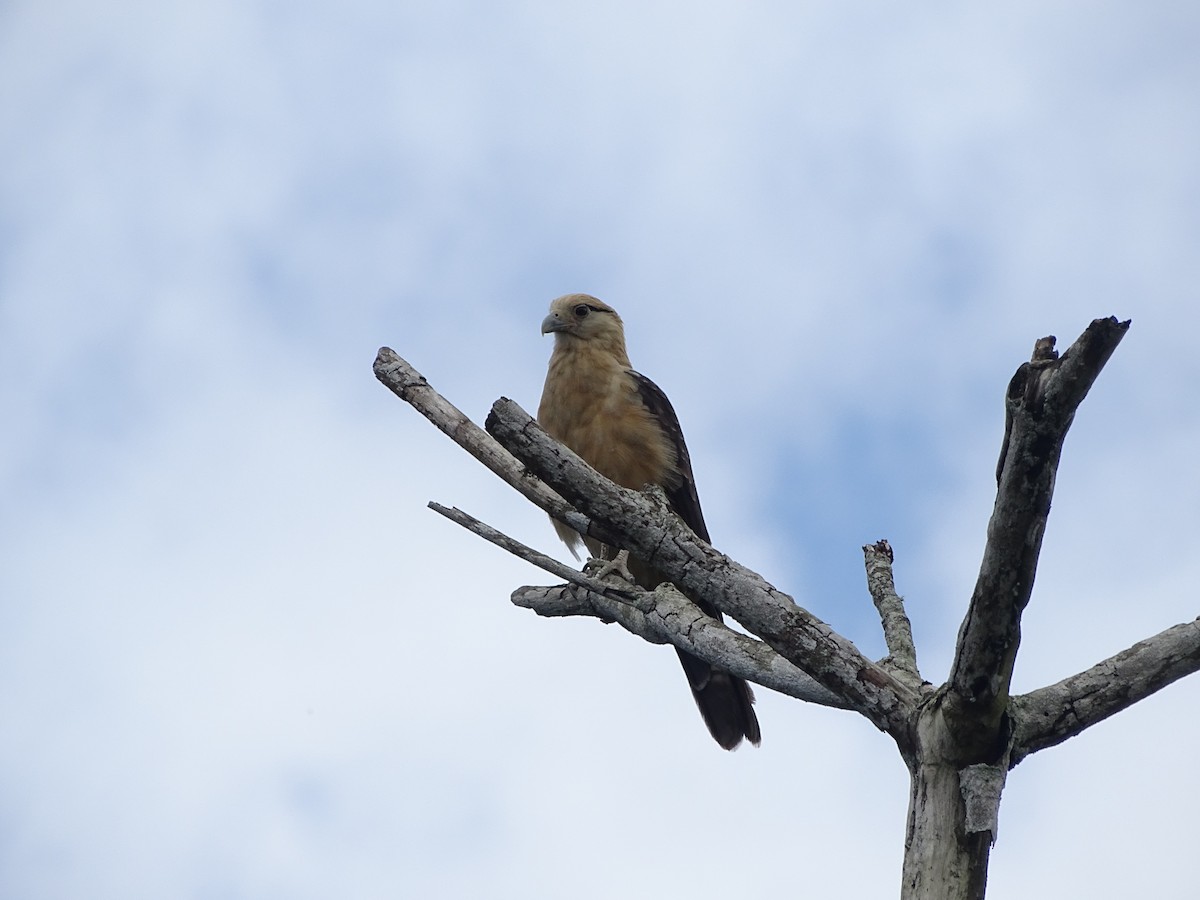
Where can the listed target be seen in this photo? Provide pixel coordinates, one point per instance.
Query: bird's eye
(582, 310)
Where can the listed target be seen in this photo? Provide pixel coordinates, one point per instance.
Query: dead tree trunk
(959, 740)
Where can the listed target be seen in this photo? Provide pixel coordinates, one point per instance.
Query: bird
(622, 424)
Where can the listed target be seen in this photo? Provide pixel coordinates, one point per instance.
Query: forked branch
(958, 740)
(831, 670)
(1040, 405)
(645, 525)
(662, 616)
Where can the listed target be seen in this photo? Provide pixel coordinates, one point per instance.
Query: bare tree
(960, 739)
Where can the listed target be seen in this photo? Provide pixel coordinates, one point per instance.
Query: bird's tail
(725, 702)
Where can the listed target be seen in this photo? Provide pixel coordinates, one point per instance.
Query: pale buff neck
(596, 350)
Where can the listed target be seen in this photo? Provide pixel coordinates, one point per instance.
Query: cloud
(238, 655)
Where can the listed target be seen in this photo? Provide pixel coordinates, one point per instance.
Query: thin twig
(897, 629)
(662, 616)
(527, 553)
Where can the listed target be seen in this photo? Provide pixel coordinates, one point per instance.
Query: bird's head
(584, 317)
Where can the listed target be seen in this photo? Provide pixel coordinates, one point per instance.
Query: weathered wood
(958, 740)
(644, 524)
(1051, 715)
(942, 861)
(1040, 405)
(897, 629)
(409, 385)
(662, 616)
(967, 728)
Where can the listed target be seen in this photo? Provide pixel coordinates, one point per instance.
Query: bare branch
(663, 616)
(958, 740)
(562, 600)
(671, 618)
(644, 524)
(1041, 403)
(527, 553)
(897, 630)
(410, 386)
(866, 686)
(1051, 715)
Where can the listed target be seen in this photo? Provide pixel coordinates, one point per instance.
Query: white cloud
(239, 655)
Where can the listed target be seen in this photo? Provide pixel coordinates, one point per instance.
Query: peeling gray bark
(981, 787)
(959, 740)
(410, 386)
(1051, 715)
(661, 616)
(967, 730)
(670, 618)
(1040, 405)
(942, 860)
(897, 629)
(644, 524)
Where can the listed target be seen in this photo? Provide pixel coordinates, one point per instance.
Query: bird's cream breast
(592, 405)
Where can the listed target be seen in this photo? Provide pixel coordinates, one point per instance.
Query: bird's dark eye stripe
(583, 309)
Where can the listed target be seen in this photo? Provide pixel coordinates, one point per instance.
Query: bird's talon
(601, 569)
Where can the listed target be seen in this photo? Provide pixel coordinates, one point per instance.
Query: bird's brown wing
(725, 702)
(680, 490)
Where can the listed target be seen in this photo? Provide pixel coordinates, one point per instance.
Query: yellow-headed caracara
(622, 424)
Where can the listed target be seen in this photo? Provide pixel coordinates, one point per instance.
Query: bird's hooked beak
(553, 322)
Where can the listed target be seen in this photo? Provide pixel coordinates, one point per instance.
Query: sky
(239, 657)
